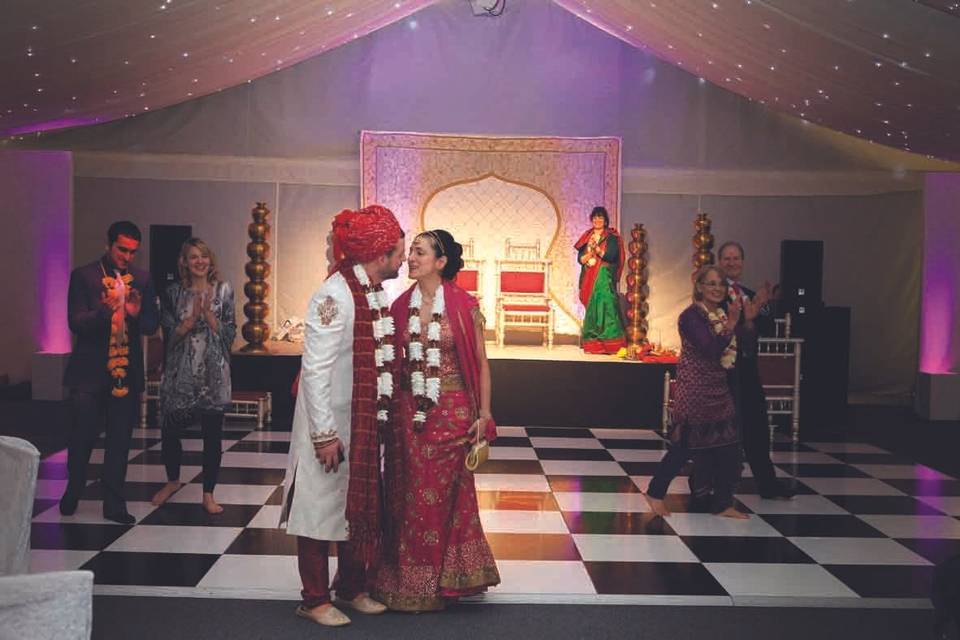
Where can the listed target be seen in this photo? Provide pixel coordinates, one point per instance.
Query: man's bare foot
(657, 506)
(165, 492)
(731, 512)
(212, 506)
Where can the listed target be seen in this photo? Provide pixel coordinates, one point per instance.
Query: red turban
(362, 236)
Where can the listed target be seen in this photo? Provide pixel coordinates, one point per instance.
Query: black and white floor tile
(566, 518)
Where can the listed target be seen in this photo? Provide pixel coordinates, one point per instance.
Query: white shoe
(327, 616)
(364, 604)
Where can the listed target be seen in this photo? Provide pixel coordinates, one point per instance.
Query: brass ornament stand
(637, 308)
(256, 331)
(702, 241)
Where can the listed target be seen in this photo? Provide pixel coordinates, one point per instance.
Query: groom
(332, 486)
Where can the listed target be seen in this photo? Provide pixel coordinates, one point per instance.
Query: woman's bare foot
(731, 512)
(211, 505)
(657, 506)
(165, 492)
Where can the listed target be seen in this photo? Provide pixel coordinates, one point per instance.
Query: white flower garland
(383, 328)
(718, 320)
(425, 369)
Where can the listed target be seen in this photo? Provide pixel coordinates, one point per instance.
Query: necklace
(383, 327)
(425, 363)
(718, 320)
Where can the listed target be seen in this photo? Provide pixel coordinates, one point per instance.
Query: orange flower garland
(119, 350)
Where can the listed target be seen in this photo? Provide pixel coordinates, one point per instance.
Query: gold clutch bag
(477, 455)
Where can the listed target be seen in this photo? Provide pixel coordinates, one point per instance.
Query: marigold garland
(718, 320)
(118, 349)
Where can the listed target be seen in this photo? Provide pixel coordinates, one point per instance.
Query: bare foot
(165, 492)
(731, 512)
(211, 505)
(657, 506)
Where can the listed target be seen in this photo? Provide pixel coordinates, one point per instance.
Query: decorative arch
(454, 181)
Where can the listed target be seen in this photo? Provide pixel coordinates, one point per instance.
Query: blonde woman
(198, 321)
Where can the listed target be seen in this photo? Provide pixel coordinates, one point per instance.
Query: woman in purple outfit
(703, 420)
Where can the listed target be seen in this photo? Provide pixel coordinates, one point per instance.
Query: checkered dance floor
(563, 511)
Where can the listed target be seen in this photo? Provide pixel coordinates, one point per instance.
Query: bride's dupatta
(460, 307)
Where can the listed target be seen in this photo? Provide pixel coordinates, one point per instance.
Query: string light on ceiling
(774, 55)
(715, 32)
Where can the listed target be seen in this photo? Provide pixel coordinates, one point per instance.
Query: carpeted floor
(149, 618)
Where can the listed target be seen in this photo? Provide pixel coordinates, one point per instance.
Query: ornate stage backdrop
(490, 189)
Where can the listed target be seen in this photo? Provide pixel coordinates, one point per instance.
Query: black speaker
(824, 365)
(801, 275)
(165, 243)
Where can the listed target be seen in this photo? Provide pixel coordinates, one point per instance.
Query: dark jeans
(312, 562)
(718, 466)
(91, 411)
(211, 427)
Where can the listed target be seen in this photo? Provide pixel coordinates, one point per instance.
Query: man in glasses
(751, 400)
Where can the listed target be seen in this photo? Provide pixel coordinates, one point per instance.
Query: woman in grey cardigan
(199, 323)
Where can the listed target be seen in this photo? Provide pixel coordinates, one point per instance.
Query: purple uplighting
(939, 349)
(50, 231)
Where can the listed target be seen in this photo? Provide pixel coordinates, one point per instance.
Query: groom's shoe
(364, 604)
(327, 616)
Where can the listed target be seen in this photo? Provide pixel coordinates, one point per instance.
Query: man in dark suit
(751, 400)
(110, 305)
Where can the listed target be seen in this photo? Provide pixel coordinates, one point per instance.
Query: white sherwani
(322, 410)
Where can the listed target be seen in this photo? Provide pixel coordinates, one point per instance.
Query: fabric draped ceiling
(883, 70)
(291, 139)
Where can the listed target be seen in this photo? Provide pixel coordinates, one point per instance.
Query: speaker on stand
(826, 332)
(801, 276)
(165, 243)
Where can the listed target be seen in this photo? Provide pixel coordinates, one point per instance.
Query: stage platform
(532, 385)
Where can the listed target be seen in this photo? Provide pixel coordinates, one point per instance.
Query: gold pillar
(702, 241)
(637, 290)
(256, 331)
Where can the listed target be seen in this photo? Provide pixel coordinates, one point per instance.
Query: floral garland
(593, 248)
(118, 351)
(718, 320)
(425, 369)
(383, 327)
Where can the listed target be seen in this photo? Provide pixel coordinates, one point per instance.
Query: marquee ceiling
(883, 70)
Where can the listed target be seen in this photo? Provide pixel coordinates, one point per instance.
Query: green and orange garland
(119, 349)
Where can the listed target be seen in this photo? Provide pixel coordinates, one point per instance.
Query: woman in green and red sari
(600, 253)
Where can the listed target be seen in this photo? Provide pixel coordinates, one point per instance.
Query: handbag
(477, 455)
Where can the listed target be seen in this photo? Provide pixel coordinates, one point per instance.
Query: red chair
(470, 278)
(523, 298)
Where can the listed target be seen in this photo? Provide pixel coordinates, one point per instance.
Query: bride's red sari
(434, 547)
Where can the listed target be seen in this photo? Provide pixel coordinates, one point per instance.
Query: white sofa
(56, 605)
